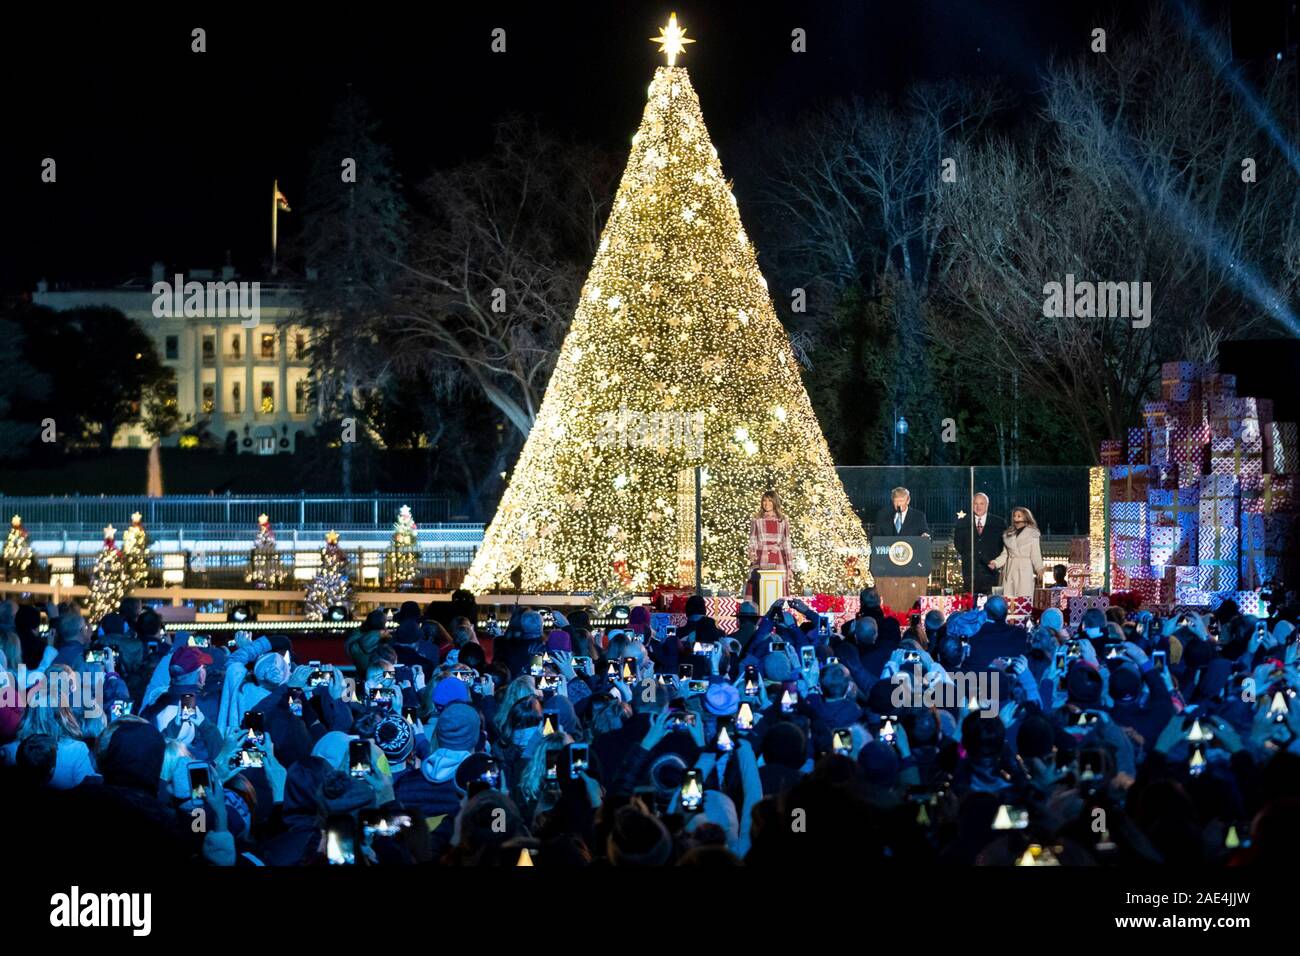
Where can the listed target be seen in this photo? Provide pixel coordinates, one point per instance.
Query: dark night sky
(166, 154)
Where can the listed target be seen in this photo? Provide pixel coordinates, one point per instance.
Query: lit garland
(403, 552)
(108, 580)
(135, 552)
(264, 567)
(17, 552)
(675, 358)
(330, 587)
(1098, 549)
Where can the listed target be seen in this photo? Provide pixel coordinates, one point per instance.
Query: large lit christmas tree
(135, 552)
(17, 552)
(675, 359)
(264, 567)
(108, 579)
(330, 587)
(403, 552)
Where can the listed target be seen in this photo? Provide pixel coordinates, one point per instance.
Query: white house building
(252, 385)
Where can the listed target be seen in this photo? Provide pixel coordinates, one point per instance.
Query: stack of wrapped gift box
(1202, 497)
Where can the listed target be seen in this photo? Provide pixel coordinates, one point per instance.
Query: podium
(901, 567)
(771, 585)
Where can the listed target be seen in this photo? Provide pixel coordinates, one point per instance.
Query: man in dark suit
(900, 519)
(988, 544)
(996, 638)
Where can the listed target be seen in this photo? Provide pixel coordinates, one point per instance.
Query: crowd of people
(1115, 740)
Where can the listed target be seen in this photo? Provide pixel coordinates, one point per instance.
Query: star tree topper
(671, 39)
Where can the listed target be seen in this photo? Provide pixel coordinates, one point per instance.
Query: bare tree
(494, 275)
(1135, 176)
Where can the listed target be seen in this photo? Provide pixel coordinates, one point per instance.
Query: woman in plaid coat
(769, 542)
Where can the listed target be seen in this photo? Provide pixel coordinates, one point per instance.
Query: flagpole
(275, 219)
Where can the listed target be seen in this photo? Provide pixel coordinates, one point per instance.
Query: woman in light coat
(1021, 560)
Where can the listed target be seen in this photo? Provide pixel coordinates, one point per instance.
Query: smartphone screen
(685, 671)
(200, 782)
(744, 717)
(359, 758)
(842, 741)
(341, 840)
(577, 760)
(692, 791)
(1011, 818)
(725, 742)
(889, 728)
(809, 656)
(1158, 662)
(491, 774)
(552, 765)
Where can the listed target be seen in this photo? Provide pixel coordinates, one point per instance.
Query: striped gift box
(1280, 449)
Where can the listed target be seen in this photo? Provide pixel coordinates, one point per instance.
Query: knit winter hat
(777, 666)
(638, 839)
(1036, 737)
(332, 748)
(1125, 682)
(271, 668)
(394, 737)
(376, 620)
(559, 640)
(1084, 683)
(785, 745)
(449, 690)
(1052, 618)
(343, 793)
(134, 757)
(879, 763)
(639, 618)
(458, 727)
(695, 605)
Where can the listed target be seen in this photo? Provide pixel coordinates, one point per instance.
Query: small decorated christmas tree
(108, 581)
(18, 552)
(135, 552)
(264, 567)
(403, 552)
(330, 587)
